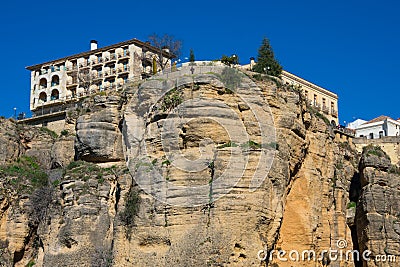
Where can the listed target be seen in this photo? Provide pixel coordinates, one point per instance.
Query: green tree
(266, 62)
(191, 56)
(232, 60)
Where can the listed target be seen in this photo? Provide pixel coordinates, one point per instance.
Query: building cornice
(102, 49)
(309, 84)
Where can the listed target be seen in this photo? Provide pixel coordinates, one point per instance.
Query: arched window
(55, 80)
(43, 83)
(42, 97)
(55, 95)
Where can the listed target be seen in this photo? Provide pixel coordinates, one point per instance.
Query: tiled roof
(380, 118)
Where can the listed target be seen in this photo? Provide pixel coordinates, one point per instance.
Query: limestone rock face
(378, 210)
(98, 138)
(62, 152)
(10, 141)
(220, 168)
(300, 205)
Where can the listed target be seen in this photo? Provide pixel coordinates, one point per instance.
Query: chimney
(252, 63)
(93, 45)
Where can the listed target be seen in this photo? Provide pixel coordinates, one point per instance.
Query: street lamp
(267, 69)
(15, 113)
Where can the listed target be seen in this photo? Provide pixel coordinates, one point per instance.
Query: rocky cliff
(203, 169)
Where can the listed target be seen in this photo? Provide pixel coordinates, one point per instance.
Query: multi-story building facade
(70, 78)
(320, 98)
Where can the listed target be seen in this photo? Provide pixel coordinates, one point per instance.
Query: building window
(306, 94)
(380, 134)
(126, 66)
(332, 107)
(126, 52)
(42, 97)
(55, 94)
(55, 80)
(371, 136)
(315, 99)
(43, 83)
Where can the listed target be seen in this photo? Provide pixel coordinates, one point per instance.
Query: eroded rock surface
(378, 209)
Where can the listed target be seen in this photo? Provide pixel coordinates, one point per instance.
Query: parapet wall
(389, 144)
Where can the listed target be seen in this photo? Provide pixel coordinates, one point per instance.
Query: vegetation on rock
(266, 62)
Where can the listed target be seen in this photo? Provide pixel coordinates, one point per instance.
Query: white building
(355, 124)
(378, 128)
(68, 79)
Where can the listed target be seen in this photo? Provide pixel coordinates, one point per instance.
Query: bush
(251, 144)
(171, 100)
(231, 79)
(26, 174)
(351, 204)
(49, 132)
(64, 132)
(374, 150)
(132, 205)
(228, 144)
(75, 164)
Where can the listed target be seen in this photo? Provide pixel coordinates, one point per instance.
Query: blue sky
(349, 47)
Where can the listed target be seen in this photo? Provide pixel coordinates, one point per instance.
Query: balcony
(123, 70)
(71, 68)
(83, 65)
(123, 55)
(334, 113)
(317, 106)
(98, 61)
(111, 58)
(97, 76)
(325, 109)
(111, 72)
(72, 83)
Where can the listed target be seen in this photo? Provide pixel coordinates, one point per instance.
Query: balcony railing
(124, 54)
(71, 68)
(123, 69)
(325, 109)
(97, 76)
(334, 113)
(97, 61)
(111, 72)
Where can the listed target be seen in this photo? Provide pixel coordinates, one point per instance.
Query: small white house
(355, 124)
(378, 128)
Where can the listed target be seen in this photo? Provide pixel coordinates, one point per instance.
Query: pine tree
(266, 62)
(191, 56)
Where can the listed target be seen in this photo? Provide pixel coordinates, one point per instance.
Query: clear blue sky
(349, 47)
